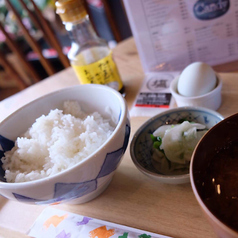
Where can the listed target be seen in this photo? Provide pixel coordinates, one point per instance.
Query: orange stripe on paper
(54, 220)
(102, 232)
(149, 105)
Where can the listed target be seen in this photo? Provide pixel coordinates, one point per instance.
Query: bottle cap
(70, 10)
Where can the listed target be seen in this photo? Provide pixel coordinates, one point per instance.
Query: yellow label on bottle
(103, 71)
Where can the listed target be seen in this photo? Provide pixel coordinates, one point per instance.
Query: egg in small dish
(196, 79)
(197, 85)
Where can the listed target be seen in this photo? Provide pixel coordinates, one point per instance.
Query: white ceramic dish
(140, 147)
(211, 100)
(86, 180)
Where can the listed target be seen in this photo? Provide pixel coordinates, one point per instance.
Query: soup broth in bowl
(214, 176)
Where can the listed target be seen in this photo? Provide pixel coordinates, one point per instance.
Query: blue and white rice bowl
(90, 177)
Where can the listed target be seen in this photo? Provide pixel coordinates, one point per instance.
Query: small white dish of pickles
(162, 147)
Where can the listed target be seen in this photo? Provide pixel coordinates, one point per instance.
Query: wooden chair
(49, 36)
(111, 19)
(114, 22)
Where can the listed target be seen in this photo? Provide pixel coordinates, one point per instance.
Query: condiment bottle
(90, 56)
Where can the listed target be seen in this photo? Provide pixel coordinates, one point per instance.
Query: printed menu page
(171, 34)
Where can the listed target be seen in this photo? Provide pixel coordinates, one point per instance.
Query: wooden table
(132, 199)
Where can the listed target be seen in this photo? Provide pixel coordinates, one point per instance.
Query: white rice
(55, 142)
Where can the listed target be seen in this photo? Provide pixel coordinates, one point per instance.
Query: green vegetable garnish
(153, 137)
(157, 141)
(156, 145)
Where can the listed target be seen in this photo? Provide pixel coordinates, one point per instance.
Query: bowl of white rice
(64, 146)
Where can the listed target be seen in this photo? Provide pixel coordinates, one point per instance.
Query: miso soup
(218, 183)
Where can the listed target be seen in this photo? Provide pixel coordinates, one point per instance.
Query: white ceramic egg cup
(211, 100)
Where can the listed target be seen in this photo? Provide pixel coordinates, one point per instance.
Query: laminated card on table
(62, 224)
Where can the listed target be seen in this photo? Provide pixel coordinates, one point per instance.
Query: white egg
(196, 79)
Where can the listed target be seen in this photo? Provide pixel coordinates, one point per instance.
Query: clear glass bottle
(90, 56)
